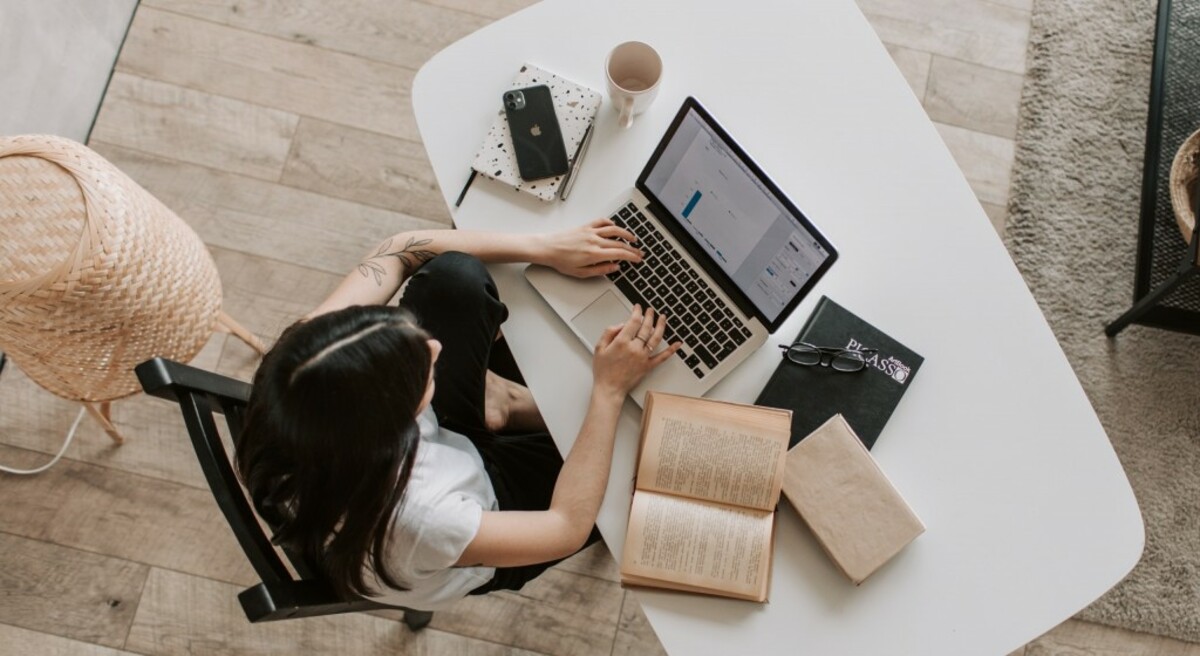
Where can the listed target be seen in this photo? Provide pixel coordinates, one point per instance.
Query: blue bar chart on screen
(691, 205)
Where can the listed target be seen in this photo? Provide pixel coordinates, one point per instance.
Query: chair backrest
(200, 395)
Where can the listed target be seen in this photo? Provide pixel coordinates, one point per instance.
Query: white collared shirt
(437, 518)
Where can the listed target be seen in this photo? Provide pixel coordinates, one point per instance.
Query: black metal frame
(1145, 310)
(201, 394)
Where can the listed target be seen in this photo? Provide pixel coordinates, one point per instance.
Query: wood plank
(1026, 5)
(489, 8)
(986, 161)
(1077, 638)
(998, 215)
(37, 422)
(914, 66)
(264, 219)
(974, 97)
(193, 126)
(182, 614)
(267, 296)
(976, 31)
(23, 641)
(594, 561)
(238, 360)
(367, 168)
(557, 613)
(135, 518)
(67, 592)
(635, 636)
(400, 32)
(287, 75)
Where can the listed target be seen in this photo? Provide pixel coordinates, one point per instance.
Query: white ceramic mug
(634, 70)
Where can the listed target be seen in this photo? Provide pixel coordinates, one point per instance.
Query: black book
(865, 398)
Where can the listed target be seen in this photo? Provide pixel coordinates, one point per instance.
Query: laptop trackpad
(608, 310)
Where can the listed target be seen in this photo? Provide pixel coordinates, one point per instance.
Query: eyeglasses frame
(831, 352)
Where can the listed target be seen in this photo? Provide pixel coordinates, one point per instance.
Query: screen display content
(734, 216)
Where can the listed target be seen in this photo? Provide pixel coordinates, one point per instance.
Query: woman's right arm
(624, 354)
(588, 250)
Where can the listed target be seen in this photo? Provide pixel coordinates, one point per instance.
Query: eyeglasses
(838, 359)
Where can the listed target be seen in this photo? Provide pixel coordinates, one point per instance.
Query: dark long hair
(331, 434)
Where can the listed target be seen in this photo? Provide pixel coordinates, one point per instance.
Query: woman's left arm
(589, 250)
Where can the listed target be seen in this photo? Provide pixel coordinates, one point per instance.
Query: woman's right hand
(626, 352)
(589, 250)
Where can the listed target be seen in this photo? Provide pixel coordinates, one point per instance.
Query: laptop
(726, 257)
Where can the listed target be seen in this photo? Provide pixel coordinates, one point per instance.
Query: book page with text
(724, 452)
(699, 544)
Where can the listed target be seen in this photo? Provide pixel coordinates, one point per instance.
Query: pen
(569, 182)
(467, 186)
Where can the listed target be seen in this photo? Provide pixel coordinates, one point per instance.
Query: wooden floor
(282, 130)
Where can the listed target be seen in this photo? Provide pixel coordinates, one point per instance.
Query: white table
(1030, 516)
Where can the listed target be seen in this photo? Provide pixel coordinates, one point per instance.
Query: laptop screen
(735, 215)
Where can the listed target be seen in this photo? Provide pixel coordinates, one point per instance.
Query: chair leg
(103, 414)
(227, 324)
(416, 620)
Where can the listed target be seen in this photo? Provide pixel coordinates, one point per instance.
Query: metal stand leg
(1187, 268)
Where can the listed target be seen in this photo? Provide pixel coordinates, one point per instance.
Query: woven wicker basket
(96, 275)
(1185, 169)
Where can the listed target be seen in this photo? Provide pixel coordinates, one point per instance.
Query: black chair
(200, 394)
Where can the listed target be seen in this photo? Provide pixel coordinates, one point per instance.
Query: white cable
(66, 443)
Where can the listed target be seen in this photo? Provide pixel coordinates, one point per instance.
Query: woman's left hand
(589, 250)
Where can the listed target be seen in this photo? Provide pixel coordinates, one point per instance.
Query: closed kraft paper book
(709, 478)
(852, 508)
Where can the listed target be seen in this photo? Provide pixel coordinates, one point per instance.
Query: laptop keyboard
(667, 282)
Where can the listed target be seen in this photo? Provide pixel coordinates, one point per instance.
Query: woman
(384, 449)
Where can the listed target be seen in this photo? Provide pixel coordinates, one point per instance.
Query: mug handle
(626, 118)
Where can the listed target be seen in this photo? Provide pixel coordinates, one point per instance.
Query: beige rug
(1072, 230)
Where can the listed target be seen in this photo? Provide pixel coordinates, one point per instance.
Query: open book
(708, 480)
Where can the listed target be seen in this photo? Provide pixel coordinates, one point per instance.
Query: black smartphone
(536, 138)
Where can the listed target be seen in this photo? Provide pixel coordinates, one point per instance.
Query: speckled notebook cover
(576, 107)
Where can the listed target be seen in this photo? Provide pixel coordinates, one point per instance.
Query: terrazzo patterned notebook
(576, 107)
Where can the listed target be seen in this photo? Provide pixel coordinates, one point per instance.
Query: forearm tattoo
(411, 257)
